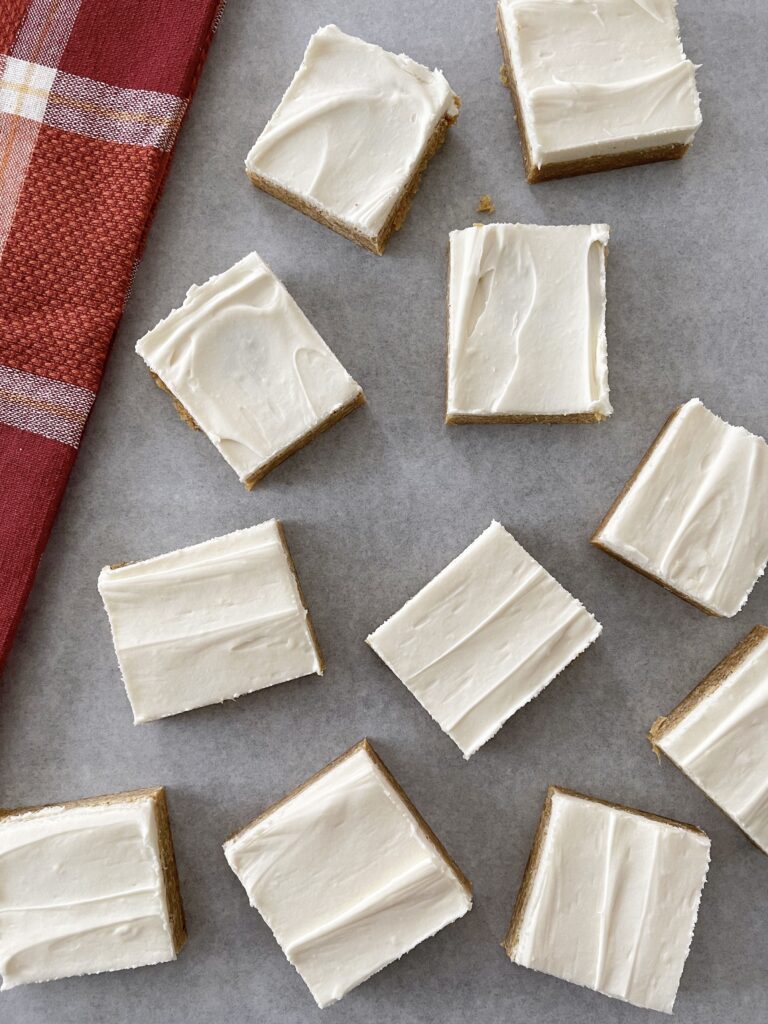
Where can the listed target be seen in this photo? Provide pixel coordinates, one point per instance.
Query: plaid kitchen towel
(92, 94)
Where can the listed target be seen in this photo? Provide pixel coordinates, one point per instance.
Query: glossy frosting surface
(345, 877)
(695, 516)
(351, 128)
(614, 901)
(81, 891)
(527, 320)
(208, 623)
(722, 744)
(484, 637)
(596, 77)
(243, 359)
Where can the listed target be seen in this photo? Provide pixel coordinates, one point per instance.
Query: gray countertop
(374, 508)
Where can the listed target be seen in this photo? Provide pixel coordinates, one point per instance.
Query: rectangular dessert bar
(597, 84)
(88, 886)
(526, 324)
(347, 874)
(209, 622)
(484, 637)
(609, 899)
(352, 135)
(718, 735)
(245, 366)
(692, 515)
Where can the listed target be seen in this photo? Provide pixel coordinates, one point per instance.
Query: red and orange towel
(92, 94)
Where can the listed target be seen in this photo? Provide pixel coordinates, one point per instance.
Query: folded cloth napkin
(92, 94)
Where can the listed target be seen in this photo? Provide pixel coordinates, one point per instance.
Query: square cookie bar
(526, 324)
(609, 899)
(352, 135)
(246, 367)
(484, 637)
(692, 516)
(210, 622)
(88, 886)
(347, 874)
(597, 84)
(718, 735)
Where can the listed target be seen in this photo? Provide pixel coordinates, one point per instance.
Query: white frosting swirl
(695, 515)
(208, 623)
(243, 359)
(722, 744)
(351, 129)
(345, 876)
(81, 891)
(526, 325)
(597, 77)
(614, 901)
(484, 637)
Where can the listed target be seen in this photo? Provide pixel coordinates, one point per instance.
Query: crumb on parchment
(485, 205)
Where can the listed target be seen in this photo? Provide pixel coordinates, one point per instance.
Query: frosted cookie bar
(597, 84)
(246, 367)
(692, 516)
(88, 886)
(209, 622)
(718, 735)
(352, 135)
(347, 874)
(484, 637)
(609, 899)
(526, 324)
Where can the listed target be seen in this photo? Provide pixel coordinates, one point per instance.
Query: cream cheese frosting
(245, 362)
(598, 77)
(346, 876)
(81, 892)
(209, 622)
(693, 517)
(722, 743)
(351, 129)
(613, 901)
(484, 637)
(526, 323)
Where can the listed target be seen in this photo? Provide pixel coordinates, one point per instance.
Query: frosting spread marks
(526, 331)
(484, 637)
(722, 744)
(613, 900)
(81, 891)
(351, 129)
(208, 623)
(243, 359)
(345, 876)
(596, 77)
(694, 516)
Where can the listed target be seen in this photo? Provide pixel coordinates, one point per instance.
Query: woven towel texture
(92, 95)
